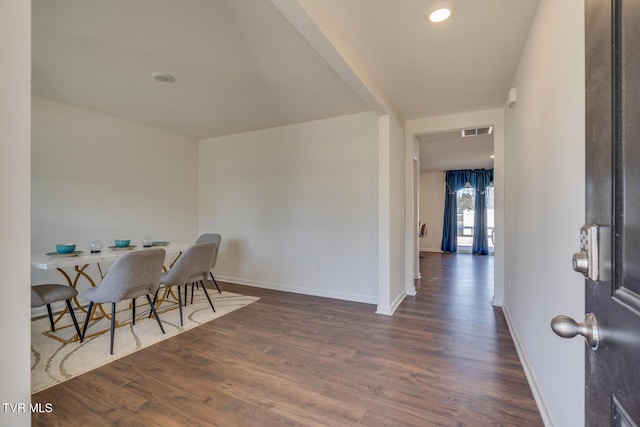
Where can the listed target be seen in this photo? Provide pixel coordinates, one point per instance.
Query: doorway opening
(440, 147)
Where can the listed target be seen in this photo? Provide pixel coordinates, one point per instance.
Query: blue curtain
(455, 181)
(480, 180)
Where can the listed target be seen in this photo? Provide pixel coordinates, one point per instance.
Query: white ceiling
(241, 65)
(464, 64)
(238, 65)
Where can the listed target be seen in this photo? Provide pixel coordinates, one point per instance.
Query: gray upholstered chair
(132, 275)
(192, 266)
(211, 238)
(50, 293)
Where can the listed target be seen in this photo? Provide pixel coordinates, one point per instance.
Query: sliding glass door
(465, 199)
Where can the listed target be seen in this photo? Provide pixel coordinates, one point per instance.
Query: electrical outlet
(317, 266)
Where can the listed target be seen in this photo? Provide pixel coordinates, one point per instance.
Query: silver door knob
(566, 327)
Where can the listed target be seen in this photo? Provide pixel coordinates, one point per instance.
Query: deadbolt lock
(581, 262)
(594, 259)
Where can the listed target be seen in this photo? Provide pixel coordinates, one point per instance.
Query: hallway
(476, 354)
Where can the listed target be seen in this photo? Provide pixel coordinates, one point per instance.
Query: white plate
(75, 253)
(122, 248)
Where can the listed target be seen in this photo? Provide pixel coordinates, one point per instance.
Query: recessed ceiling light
(492, 156)
(440, 12)
(163, 77)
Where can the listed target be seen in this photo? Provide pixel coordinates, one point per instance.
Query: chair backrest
(195, 260)
(132, 275)
(211, 238)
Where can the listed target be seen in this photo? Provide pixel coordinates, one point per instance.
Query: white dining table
(107, 255)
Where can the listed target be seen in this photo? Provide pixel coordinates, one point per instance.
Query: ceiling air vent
(477, 131)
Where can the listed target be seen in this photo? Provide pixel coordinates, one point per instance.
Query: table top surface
(51, 262)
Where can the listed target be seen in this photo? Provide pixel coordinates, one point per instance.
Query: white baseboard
(388, 310)
(542, 407)
(431, 250)
(411, 291)
(300, 290)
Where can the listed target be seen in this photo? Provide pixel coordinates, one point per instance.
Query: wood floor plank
(445, 358)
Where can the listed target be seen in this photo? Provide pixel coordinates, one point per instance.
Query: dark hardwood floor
(444, 359)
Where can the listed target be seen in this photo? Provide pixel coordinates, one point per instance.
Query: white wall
(95, 176)
(15, 87)
(432, 188)
(396, 237)
(296, 206)
(394, 269)
(545, 207)
(402, 281)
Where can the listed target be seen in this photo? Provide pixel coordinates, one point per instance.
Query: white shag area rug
(59, 356)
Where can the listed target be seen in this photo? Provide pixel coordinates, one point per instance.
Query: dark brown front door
(613, 200)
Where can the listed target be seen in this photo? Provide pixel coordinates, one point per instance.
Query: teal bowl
(122, 243)
(65, 249)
